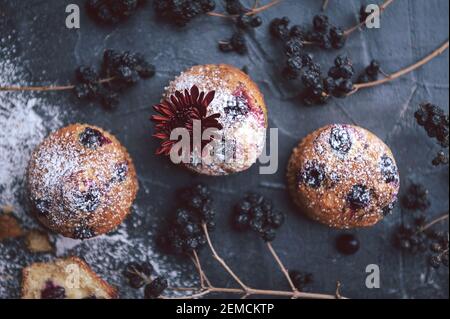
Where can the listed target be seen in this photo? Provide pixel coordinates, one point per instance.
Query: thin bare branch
(281, 265)
(383, 7)
(221, 261)
(404, 71)
(45, 88)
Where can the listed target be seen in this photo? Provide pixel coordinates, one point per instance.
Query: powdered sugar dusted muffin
(343, 176)
(223, 98)
(81, 181)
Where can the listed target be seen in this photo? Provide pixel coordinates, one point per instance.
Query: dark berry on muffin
(388, 169)
(312, 174)
(93, 138)
(340, 139)
(52, 291)
(359, 196)
(83, 232)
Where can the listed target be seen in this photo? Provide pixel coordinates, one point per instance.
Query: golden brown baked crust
(77, 190)
(249, 130)
(322, 177)
(84, 284)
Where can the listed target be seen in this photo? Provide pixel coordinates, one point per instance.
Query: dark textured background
(410, 30)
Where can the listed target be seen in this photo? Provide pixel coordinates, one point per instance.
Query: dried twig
(404, 71)
(254, 11)
(325, 4)
(434, 222)
(46, 88)
(383, 7)
(282, 267)
(221, 261)
(206, 288)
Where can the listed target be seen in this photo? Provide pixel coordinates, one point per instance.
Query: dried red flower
(180, 111)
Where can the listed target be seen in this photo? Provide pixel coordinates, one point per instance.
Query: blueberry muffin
(343, 176)
(81, 182)
(224, 98)
(69, 278)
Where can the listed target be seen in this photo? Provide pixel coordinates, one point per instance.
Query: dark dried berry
(269, 235)
(320, 23)
(373, 70)
(181, 12)
(275, 218)
(237, 43)
(363, 14)
(279, 28)
(347, 244)
(359, 197)
(154, 289)
(416, 198)
(340, 139)
(345, 87)
(342, 60)
(301, 279)
(138, 274)
(293, 47)
(235, 7)
(329, 84)
(111, 11)
(241, 221)
(435, 122)
(298, 32)
(256, 22)
(86, 75)
(440, 159)
(338, 38)
(435, 261)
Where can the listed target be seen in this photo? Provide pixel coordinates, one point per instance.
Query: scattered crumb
(38, 242)
(9, 227)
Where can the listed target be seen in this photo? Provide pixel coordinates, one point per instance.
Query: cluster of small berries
(119, 71)
(435, 122)
(413, 239)
(256, 213)
(326, 35)
(140, 275)
(243, 22)
(318, 88)
(293, 39)
(323, 33)
(337, 83)
(112, 11)
(185, 232)
(371, 72)
(181, 12)
(416, 198)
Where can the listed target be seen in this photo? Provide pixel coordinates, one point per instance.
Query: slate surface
(410, 30)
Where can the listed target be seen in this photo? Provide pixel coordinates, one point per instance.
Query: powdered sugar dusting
(25, 120)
